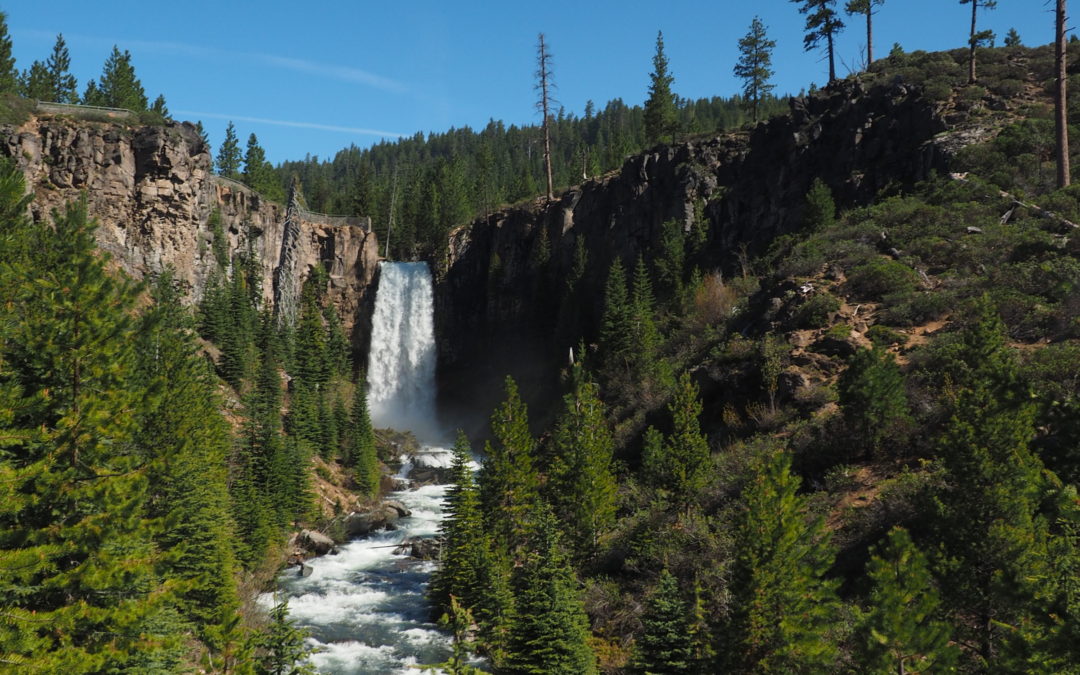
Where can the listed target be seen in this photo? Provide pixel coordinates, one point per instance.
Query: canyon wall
(152, 191)
(521, 286)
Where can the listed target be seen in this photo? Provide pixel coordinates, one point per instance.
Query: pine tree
(660, 112)
(544, 87)
(509, 482)
(362, 452)
(644, 335)
(992, 541)
(820, 209)
(159, 107)
(548, 631)
(63, 84)
(615, 341)
(977, 38)
(9, 76)
(92, 95)
(258, 173)
(79, 593)
(581, 484)
(871, 393)
(311, 349)
(665, 645)
(754, 66)
(866, 7)
(34, 83)
(782, 605)
(282, 648)
(822, 23)
(1061, 98)
(681, 466)
(458, 577)
(118, 87)
(185, 426)
(900, 633)
(228, 157)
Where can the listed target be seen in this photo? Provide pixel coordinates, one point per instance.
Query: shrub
(917, 308)
(882, 336)
(880, 277)
(814, 313)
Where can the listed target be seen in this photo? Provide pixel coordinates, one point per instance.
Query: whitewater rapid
(365, 608)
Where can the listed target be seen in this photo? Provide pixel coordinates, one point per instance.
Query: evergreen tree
(900, 633)
(615, 340)
(9, 76)
(311, 349)
(644, 334)
(660, 112)
(34, 82)
(91, 95)
(820, 209)
(185, 425)
(865, 7)
(580, 483)
(282, 648)
(1012, 38)
(872, 397)
(548, 631)
(459, 574)
(79, 593)
(362, 452)
(822, 23)
(508, 480)
(338, 358)
(782, 605)
(992, 542)
(258, 173)
(681, 466)
(118, 87)
(754, 66)
(666, 642)
(63, 84)
(159, 107)
(228, 157)
(977, 38)
(544, 87)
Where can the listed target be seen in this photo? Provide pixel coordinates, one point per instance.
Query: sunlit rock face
(152, 191)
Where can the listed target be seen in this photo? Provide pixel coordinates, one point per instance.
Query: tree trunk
(1061, 99)
(869, 34)
(971, 48)
(543, 71)
(832, 67)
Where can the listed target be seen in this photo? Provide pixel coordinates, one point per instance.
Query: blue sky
(314, 77)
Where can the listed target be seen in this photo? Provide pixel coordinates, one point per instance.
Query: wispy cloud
(360, 131)
(326, 70)
(344, 73)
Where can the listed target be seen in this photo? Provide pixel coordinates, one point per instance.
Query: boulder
(380, 517)
(316, 542)
(420, 548)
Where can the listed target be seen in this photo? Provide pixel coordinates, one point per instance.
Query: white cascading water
(401, 364)
(365, 607)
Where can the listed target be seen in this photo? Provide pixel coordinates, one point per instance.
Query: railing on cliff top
(84, 110)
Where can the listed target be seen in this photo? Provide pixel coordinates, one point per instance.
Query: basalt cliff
(522, 285)
(152, 191)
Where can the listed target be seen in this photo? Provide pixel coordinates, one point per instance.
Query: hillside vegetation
(855, 451)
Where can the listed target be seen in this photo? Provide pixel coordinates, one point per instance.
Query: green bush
(883, 336)
(814, 313)
(916, 308)
(881, 277)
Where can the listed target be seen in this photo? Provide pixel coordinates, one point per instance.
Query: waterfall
(366, 607)
(401, 362)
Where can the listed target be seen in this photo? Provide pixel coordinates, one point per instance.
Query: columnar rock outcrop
(152, 191)
(504, 304)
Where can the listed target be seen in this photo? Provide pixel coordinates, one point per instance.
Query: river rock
(420, 548)
(381, 517)
(316, 542)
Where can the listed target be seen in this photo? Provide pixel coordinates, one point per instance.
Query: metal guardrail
(83, 110)
(363, 222)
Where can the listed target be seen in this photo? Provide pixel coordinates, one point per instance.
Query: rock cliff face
(511, 300)
(152, 192)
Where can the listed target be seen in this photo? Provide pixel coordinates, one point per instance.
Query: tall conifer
(660, 111)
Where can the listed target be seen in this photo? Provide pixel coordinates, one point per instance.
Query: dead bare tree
(1061, 98)
(545, 85)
